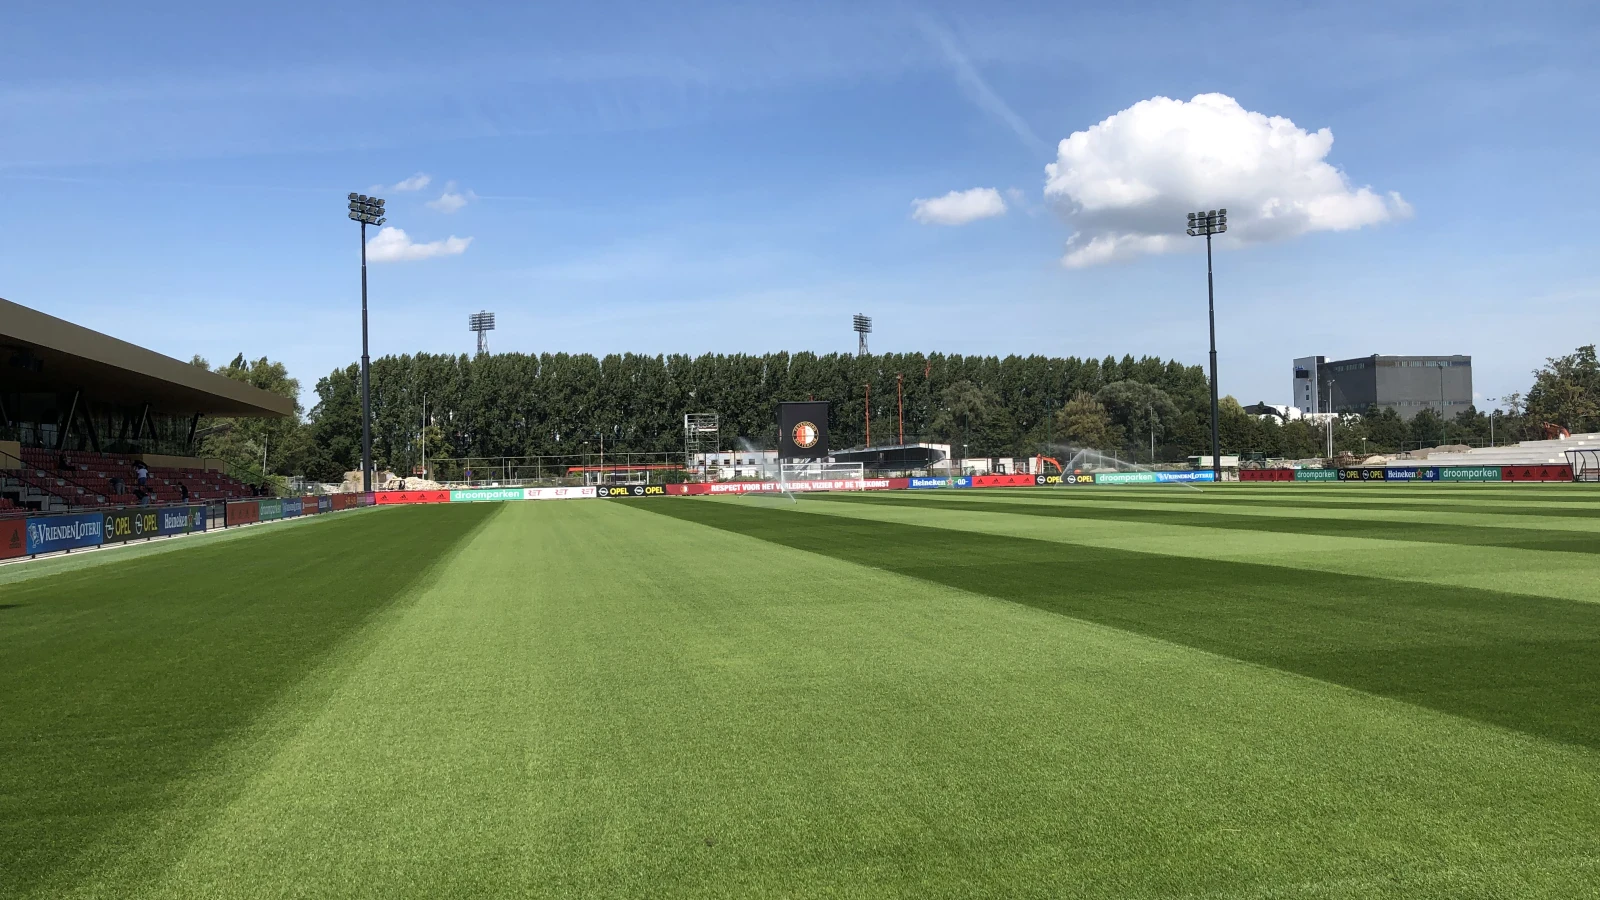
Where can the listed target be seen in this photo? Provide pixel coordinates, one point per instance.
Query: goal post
(816, 474)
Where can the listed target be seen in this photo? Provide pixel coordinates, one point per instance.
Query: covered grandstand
(79, 409)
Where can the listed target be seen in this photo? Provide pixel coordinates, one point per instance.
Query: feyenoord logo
(805, 435)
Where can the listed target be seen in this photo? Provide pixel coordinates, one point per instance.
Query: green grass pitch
(1273, 691)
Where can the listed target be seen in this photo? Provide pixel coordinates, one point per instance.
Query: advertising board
(625, 490)
(961, 481)
(486, 494)
(1316, 474)
(1536, 473)
(309, 506)
(343, 501)
(48, 534)
(271, 510)
(1125, 478)
(389, 498)
(367, 498)
(1469, 473)
(1362, 475)
(13, 538)
(1184, 477)
(289, 506)
(243, 512)
(130, 525)
(567, 493)
(984, 481)
(325, 503)
(1070, 478)
(1266, 474)
(181, 520)
(1411, 473)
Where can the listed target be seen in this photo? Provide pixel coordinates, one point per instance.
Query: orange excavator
(1554, 432)
(1040, 460)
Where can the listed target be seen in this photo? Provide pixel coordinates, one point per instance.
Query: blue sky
(740, 177)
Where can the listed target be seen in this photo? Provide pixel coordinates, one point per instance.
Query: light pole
(1207, 224)
(1331, 414)
(367, 211)
(1492, 413)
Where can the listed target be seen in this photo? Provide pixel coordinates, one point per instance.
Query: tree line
(558, 404)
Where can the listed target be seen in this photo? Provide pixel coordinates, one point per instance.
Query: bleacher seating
(1525, 453)
(85, 480)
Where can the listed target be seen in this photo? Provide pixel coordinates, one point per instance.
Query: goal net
(817, 475)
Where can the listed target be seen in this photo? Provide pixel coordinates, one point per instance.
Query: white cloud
(1126, 183)
(415, 183)
(452, 199)
(392, 245)
(959, 207)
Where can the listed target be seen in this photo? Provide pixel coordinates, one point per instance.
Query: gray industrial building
(1405, 384)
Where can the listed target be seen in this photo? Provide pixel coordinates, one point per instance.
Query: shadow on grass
(1417, 532)
(1523, 662)
(118, 679)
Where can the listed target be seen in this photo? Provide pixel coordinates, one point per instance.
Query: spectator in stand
(144, 499)
(183, 491)
(117, 484)
(141, 473)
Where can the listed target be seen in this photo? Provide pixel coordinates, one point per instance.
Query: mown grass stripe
(1523, 662)
(1430, 533)
(122, 678)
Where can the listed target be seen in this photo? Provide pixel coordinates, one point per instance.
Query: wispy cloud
(959, 207)
(393, 245)
(974, 85)
(451, 200)
(415, 183)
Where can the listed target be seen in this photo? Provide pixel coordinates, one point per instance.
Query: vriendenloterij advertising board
(803, 430)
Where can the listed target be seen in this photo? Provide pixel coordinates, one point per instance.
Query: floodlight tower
(1207, 224)
(482, 323)
(863, 327)
(367, 211)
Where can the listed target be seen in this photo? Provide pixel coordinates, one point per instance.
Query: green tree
(1566, 391)
(1141, 411)
(1083, 423)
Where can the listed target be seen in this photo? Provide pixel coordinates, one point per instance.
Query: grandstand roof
(39, 352)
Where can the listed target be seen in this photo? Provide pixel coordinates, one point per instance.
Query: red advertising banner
(385, 498)
(895, 484)
(244, 512)
(13, 537)
(1266, 474)
(1536, 473)
(982, 481)
(308, 505)
(344, 501)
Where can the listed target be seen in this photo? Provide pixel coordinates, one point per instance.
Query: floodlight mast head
(482, 323)
(862, 327)
(1207, 223)
(366, 210)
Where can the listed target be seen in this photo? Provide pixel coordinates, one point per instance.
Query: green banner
(486, 494)
(1316, 474)
(1125, 478)
(1469, 473)
(271, 510)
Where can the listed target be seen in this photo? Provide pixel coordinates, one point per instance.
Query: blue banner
(292, 506)
(324, 503)
(182, 520)
(924, 483)
(1407, 473)
(48, 534)
(1201, 475)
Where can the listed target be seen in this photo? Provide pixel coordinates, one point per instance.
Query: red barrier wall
(13, 537)
(243, 512)
(982, 481)
(1266, 474)
(385, 498)
(1536, 473)
(308, 505)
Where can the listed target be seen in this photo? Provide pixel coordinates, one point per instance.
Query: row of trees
(517, 405)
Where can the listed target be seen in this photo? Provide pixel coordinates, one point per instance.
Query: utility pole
(868, 404)
(900, 403)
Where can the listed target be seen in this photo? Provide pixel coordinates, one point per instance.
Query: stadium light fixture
(862, 327)
(1205, 224)
(482, 323)
(365, 211)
